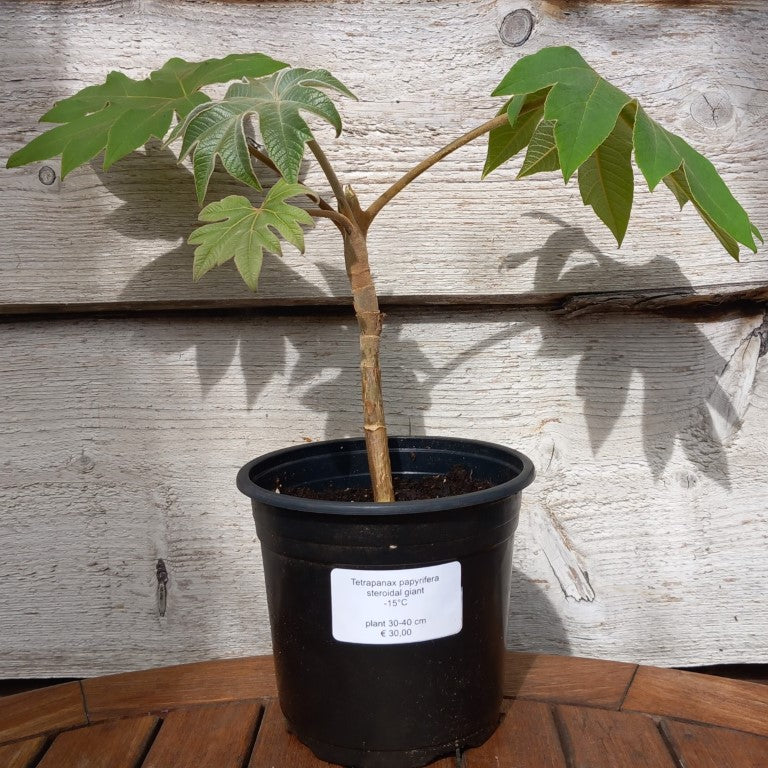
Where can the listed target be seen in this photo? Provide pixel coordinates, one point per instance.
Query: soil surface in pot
(407, 488)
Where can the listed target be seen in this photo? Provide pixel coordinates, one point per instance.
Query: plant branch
(266, 160)
(330, 174)
(339, 219)
(424, 165)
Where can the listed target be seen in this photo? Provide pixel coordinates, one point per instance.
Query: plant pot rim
(351, 445)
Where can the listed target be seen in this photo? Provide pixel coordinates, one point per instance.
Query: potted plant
(386, 559)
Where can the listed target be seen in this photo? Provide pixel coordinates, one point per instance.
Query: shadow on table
(534, 627)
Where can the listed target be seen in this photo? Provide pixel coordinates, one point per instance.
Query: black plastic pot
(402, 663)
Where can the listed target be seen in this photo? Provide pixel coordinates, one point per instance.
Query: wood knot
(712, 109)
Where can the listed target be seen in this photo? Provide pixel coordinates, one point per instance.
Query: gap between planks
(706, 302)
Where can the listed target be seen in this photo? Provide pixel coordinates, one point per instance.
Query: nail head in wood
(47, 175)
(516, 27)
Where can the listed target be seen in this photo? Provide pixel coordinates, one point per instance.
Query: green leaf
(581, 128)
(606, 181)
(238, 230)
(122, 114)
(524, 113)
(711, 194)
(542, 151)
(678, 183)
(217, 130)
(655, 154)
(583, 105)
(218, 127)
(663, 156)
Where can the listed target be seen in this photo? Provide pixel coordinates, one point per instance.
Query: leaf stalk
(339, 219)
(265, 159)
(330, 174)
(427, 163)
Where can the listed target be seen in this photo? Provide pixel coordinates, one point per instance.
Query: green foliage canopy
(558, 108)
(122, 114)
(574, 120)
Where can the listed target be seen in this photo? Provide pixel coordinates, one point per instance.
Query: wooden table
(560, 713)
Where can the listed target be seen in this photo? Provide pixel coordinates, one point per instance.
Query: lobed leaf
(236, 229)
(218, 128)
(712, 195)
(122, 114)
(583, 105)
(218, 131)
(591, 126)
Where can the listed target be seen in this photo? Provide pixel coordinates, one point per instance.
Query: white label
(389, 607)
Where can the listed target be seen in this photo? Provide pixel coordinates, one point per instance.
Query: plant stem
(424, 165)
(369, 320)
(352, 223)
(330, 174)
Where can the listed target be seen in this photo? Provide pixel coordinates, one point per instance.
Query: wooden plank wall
(635, 379)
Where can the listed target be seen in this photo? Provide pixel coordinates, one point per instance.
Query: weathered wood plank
(217, 736)
(21, 754)
(170, 687)
(122, 440)
(699, 746)
(690, 696)
(526, 738)
(118, 744)
(117, 238)
(567, 680)
(37, 712)
(602, 739)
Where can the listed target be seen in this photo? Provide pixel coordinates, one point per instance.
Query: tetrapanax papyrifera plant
(568, 117)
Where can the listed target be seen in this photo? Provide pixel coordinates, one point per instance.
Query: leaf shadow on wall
(674, 407)
(325, 377)
(159, 203)
(156, 191)
(674, 400)
(679, 370)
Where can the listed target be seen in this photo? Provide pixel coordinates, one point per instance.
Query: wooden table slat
(187, 684)
(42, 711)
(600, 738)
(216, 736)
(114, 744)
(276, 747)
(567, 680)
(701, 746)
(569, 712)
(21, 754)
(702, 698)
(526, 738)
